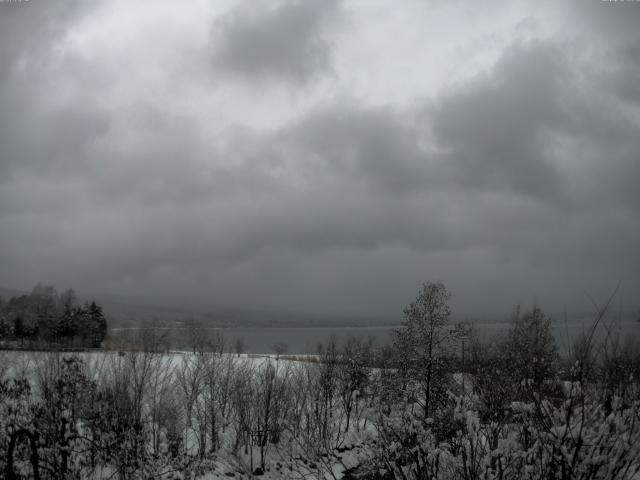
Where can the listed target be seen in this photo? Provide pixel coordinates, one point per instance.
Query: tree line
(414, 409)
(45, 317)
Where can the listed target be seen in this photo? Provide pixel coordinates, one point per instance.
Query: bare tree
(242, 394)
(151, 338)
(353, 377)
(239, 346)
(423, 343)
(198, 336)
(214, 407)
(279, 348)
(531, 353)
(189, 375)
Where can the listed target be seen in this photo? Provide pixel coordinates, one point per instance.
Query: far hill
(7, 293)
(123, 313)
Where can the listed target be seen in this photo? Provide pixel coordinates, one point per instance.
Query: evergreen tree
(19, 329)
(98, 325)
(68, 326)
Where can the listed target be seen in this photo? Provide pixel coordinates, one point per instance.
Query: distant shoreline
(283, 327)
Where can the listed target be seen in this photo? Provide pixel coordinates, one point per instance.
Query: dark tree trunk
(10, 474)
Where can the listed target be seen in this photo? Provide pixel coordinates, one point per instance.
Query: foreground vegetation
(417, 409)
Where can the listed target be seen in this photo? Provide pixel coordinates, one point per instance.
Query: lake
(304, 340)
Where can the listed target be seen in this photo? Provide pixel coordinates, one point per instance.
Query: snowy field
(169, 375)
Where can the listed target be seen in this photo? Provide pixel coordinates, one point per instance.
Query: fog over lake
(304, 340)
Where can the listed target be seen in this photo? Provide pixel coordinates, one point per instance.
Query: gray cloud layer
(517, 181)
(285, 41)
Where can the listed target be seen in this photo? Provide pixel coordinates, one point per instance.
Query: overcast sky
(321, 156)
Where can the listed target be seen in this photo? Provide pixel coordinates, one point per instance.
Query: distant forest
(46, 317)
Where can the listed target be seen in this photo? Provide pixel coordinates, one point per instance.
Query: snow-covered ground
(284, 460)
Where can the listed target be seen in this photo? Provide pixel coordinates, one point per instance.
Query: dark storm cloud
(38, 134)
(618, 23)
(542, 128)
(285, 40)
(629, 83)
(615, 27)
(610, 136)
(362, 147)
(495, 129)
(544, 125)
(522, 176)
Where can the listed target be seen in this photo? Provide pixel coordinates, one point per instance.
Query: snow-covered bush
(15, 413)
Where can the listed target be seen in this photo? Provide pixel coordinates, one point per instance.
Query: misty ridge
(319, 240)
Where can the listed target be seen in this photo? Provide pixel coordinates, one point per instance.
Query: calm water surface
(300, 340)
